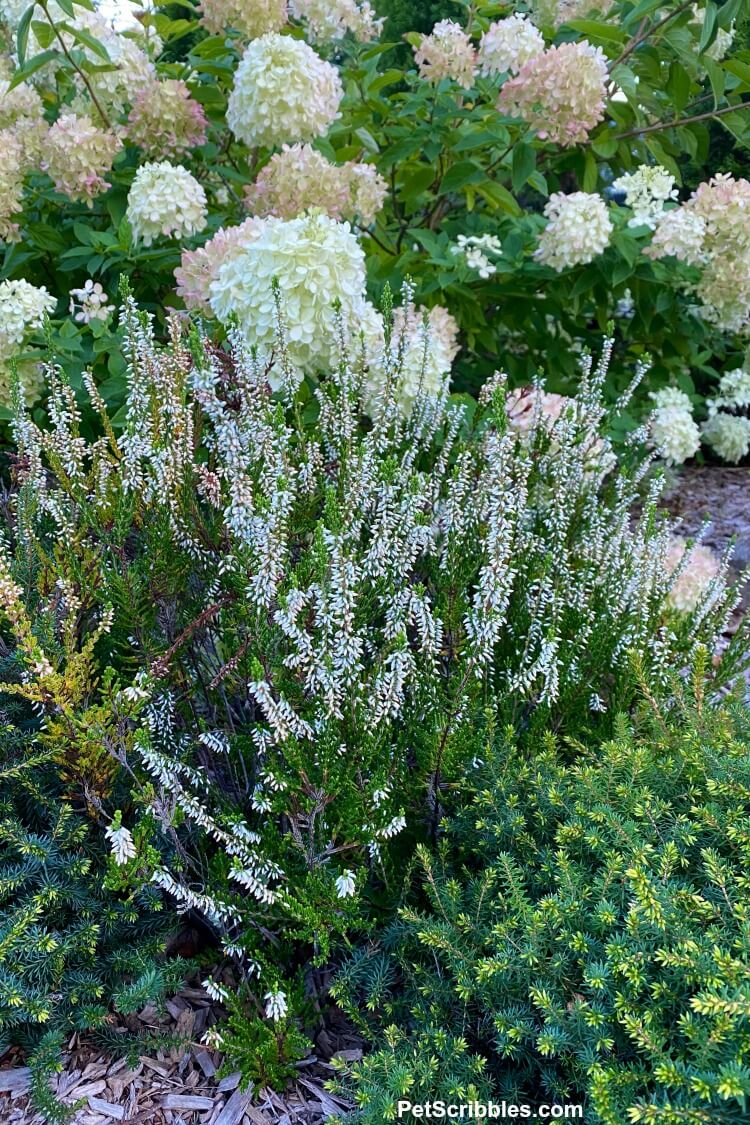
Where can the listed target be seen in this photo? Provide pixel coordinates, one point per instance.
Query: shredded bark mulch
(179, 1085)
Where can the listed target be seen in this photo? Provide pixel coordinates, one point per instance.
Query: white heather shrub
(283, 92)
(280, 620)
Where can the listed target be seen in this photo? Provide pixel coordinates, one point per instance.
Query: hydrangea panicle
(447, 52)
(577, 231)
(166, 201)
(561, 92)
(283, 92)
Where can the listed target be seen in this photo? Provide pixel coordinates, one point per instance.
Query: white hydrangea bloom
(251, 17)
(22, 309)
(165, 200)
(121, 843)
(734, 390)
(674, 431)
(328, 20)
(700, 570)
(507, 44)
(346, 884)
(578, 230)
(316, 262)
(646, 191)
(283, 92)
(728, 435)
(276, 1005)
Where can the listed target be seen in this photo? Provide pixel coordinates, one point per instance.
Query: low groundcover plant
(581, 935)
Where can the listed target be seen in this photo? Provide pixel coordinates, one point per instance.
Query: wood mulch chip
(178, 1086)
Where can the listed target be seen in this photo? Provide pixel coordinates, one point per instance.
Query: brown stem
(75, 65)
(659, 125)
(641, 37)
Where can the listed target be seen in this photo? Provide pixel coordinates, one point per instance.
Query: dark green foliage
(586, 933)
(70, 951)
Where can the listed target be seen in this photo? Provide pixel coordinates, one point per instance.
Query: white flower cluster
(478, 251)
(315, 261)
(578, 230)
(679, 233)
(646, 191)
(727, 433)
(121, 842)
(674, 431)
(276, 1005)
(507, 44)
(447, 52)
(250, 17)
(165, 200)
(329, 20)
(90, 302)
(22, 309)
(283, 93)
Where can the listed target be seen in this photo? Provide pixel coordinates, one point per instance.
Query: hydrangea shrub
(523, 167)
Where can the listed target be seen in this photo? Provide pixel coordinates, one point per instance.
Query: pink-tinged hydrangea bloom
(328, 20)
(560, 92)
(578, 230)
(447, 52)
(712, 230)
(295, 180)
(524, 405)
(368, 191)
(283, 92)
(701, 568)
(199, 267)
(316, 263)
(76, 154)
(165, 200)
(252, 18)
(300, 179)
(679, 234)
(507, 44)
(165, 120)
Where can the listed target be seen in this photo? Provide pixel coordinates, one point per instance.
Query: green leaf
(708, 31)
(44, 33)
(417, 183)
(524, 163)
(592, 29)
(88, 40)
(31, 67)
(67, 7)
(22, 35)
(678, 85)
(461, 174)
(590, 172)
(498, 197)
